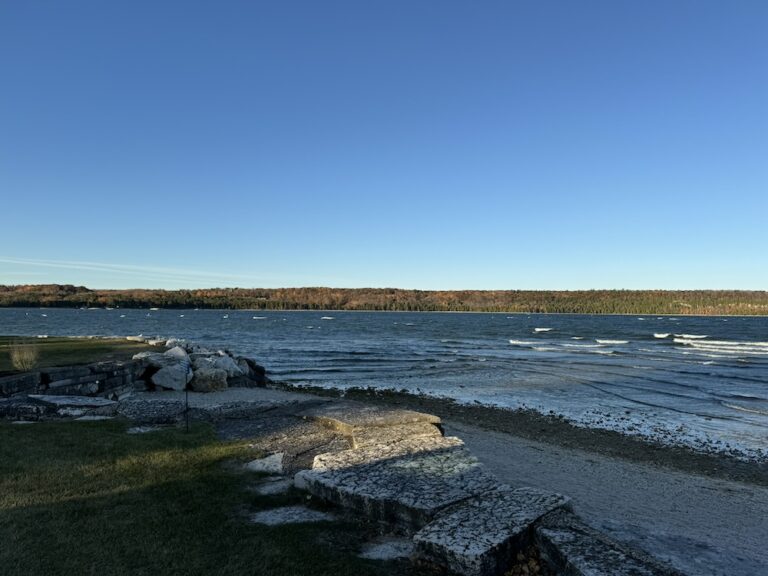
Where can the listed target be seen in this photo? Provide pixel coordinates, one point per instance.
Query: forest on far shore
(700, 302)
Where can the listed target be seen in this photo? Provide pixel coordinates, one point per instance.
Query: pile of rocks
(62, 391)
(188, 365)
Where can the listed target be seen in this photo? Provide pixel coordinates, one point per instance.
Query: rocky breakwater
(187, 365)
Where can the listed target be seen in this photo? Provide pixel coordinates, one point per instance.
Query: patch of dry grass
(24, 355)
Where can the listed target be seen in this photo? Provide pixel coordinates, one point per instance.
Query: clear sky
(415, 144)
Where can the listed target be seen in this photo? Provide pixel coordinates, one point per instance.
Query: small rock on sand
(272, 464)
(290, 515)
(141, 429)
(387, 548)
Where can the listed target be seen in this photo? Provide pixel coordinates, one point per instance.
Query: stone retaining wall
(109, 379)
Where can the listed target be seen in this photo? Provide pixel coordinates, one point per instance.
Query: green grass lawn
(86, 498)
(68, 351)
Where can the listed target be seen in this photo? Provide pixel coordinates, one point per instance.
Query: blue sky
(419, 144)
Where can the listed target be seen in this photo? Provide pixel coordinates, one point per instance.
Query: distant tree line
(703, 302)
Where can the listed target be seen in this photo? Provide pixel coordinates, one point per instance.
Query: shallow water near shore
(696, 381)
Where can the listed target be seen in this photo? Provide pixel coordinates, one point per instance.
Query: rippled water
(702, 381)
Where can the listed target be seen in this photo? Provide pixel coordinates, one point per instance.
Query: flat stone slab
(347, 417)
(142, 429)
(387, 548)
(377, 435)
(272, 486)
(272, 464)
(73, 401)
(480, 536)
(572, 548)
(406, 483)
(290, 515)
(144, 411)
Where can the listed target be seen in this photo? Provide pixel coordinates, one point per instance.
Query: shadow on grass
(87, 498)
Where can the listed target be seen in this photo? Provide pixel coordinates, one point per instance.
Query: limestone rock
(219, 362)
(348, 417)
(408, 482)
(151, 411)
(571, 547)
(19, 383)
(24, 408)
(290, 515)
(177, 352)
(366, 437)
(174, 376)
(272, 464)
(479, 537)
(155, 359)
(387, 548)
(228, 365)
(208, 379)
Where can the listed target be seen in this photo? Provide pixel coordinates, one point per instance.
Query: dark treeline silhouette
(703, 302)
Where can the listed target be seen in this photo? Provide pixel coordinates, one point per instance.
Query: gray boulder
(177, 352)
(220, 362)
(208, 379)
(174, 376)
(227, 364)
(155, 359)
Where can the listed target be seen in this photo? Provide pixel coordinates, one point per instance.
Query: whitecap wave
(582, 345)
(599, 341)
(327, 318)
(661, 334)
(542, 329)
(725, 345)
(259, 317)
(691, 336)
(577, 337)
(521, 343)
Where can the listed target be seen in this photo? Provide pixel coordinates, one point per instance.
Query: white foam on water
(599, 341)
(521, 343)
(582, 345)
(691, 336)
(542, 329)
(259, 317)
(745, 409)
(725, 346)
(577, 337)
(545, 349)
(661, 334)
(327, 318)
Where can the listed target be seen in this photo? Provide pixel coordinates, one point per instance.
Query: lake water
(699, 381)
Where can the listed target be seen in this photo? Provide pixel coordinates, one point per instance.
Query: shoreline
(514, 313)
(557, 431)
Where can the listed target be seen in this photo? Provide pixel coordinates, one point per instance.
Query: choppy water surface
(693, 380)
